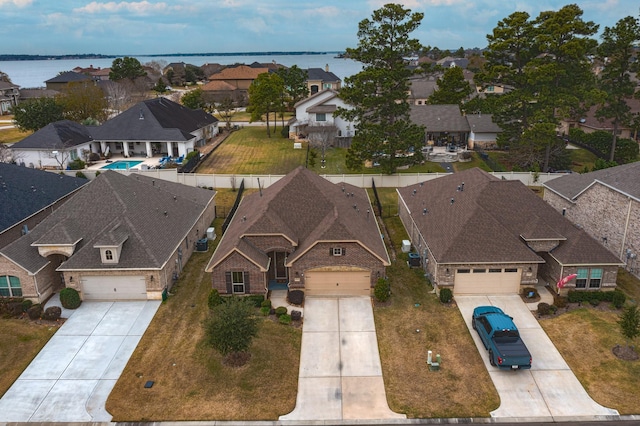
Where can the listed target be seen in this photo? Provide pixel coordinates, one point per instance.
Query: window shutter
(227, 277)
(344, 251)
(331, 251)
(247, 288)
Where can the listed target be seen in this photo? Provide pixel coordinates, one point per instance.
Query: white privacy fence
(220, 181)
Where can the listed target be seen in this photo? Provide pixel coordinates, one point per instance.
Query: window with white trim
(10, 286)
(108, 254)
(582, 278)
(237, 282)
(595, 278)
(337, 251)
(321, 116)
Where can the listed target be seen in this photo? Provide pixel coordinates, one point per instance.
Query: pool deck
(152, 162)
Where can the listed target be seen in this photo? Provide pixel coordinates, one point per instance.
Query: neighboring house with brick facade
(28, 195)
(302, 232)
(477, 234)
(118, 238)
(606, 204)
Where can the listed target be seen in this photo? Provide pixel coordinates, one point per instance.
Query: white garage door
(487, 281)
(114, 288)
(338, 283)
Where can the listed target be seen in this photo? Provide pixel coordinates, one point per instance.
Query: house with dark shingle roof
(150, 128)
(62, 80)
(319, 79)
(443, 123)
(9, 96)
(118, 238)
(302, 232)
(477, 234)
(483, 131)
(606, 204)
(28, 195)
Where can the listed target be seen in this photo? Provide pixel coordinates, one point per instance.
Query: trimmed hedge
(52, 313)
(35, 312)
(256, 299)
(576, 296)
(214, 299)
(296, 297)
(382, 290)
(281, 310)
(446, 295)
(70, 298)
(285, 319)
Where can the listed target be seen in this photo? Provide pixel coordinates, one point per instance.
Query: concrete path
(549, 391)
(340, 374)
(72, 376)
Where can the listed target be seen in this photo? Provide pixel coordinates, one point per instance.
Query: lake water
(28, 74)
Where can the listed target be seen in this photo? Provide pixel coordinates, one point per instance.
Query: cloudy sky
(219, 26)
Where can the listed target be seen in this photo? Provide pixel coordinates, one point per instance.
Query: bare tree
(118, 97)
(227, 109)
(322, 135)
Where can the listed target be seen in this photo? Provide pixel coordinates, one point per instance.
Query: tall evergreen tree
(452, 88)
(379, 93)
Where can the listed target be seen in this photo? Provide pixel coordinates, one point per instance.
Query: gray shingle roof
(58, 135)
(25, 191)
(68, 77)
(439, 118)
(305, 208)
(482, 123)
(489, 219)
(322, 75)
(625, 178)
(157, 119)
(154, 215)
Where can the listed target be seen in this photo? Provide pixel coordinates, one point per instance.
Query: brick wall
(237, 262)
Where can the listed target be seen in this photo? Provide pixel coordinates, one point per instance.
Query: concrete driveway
(549, 391)
(340, 375)
(72, 376)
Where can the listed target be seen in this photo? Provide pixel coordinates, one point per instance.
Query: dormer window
(337, 251)
(110, 254)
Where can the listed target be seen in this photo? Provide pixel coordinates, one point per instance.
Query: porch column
(103, 146)
(149, 150)
(125, 146)
(169, 149)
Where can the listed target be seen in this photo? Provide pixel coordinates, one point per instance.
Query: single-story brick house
(118, 238)
(477, 234)
(587, 199)
(302, 232)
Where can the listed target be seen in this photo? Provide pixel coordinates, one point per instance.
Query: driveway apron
(549, 391)
(72, 376)
(340, 375)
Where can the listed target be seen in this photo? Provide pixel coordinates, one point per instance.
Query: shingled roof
(153, 216)
(58, 135)
(439, 118)
(624, 179)
(304, 208)
(240, 72)
(157, 119)
(474, 217)
(68, 77)
(25, 191)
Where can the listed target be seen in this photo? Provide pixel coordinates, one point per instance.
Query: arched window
(108, 254)
(10, 286)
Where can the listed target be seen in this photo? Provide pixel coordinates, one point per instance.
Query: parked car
(501, 338)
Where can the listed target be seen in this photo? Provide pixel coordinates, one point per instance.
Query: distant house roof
(240, 72)
(58, 135)
(490, 220)
(25, 191)
(68, 77)
(305, 208)
(157, 119)
(422, 89)
(37, 93)
(4, 85)
(439, 118)
(154, 215)
(592, 121)
(321, 75)
(217, 86)
(449, 61)
(624, 179)
(482, 123)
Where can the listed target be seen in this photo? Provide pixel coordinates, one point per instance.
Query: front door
(277, 270)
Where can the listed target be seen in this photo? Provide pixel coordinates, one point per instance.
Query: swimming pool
(121, 165)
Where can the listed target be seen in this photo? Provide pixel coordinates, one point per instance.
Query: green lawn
(581, 159)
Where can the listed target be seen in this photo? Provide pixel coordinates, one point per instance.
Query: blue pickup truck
(501, 338)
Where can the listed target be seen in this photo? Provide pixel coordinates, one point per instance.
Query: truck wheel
(491, 361)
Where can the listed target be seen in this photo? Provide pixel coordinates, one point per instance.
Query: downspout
(626, 229)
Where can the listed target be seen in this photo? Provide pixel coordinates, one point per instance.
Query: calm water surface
(29, 74)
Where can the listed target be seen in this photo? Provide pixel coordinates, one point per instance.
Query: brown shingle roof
(217, 86)
(489, 220)
(241, 72)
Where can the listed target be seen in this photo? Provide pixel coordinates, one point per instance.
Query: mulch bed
(627, 353)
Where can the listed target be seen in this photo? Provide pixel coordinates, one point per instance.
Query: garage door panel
(114, 288)
(338, 283)
(475, 282)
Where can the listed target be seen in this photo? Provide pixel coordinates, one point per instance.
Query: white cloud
(256, 25)
(142, 7)
(18, 3)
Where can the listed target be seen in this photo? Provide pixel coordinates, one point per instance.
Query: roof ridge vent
(141, 114)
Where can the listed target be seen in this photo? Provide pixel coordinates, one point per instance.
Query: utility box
(406, 246)
(211, 233)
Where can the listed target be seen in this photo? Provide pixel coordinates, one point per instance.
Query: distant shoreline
(17, 57)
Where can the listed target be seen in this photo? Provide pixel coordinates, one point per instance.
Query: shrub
(560, 301)
(295, 297)
(214, 298)
(192, 154)
(94, 156)
(81, 175)
(285, 319)
(544, 308)
(446, 295)
(76, 164)
(256, 299)
(618, 299)
(69, 298)
(594, 302)
(280, 310)
(265, 310)
(266, 303)
(382, 290)
(26, 304)
(232, 326)
(553, 309)
(296, 315)
(35, 311)
(52, 313)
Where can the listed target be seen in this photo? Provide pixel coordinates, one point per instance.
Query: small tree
(193, 99)
(232, 326)
(226, 110)
(36, 113)
(630, 323)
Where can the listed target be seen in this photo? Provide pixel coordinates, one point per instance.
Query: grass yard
(581, 158)
(12, 135)
(462, 387)
(191, 383)
(20, 342)
(249, 151)
(476, 161)
(585, 338)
